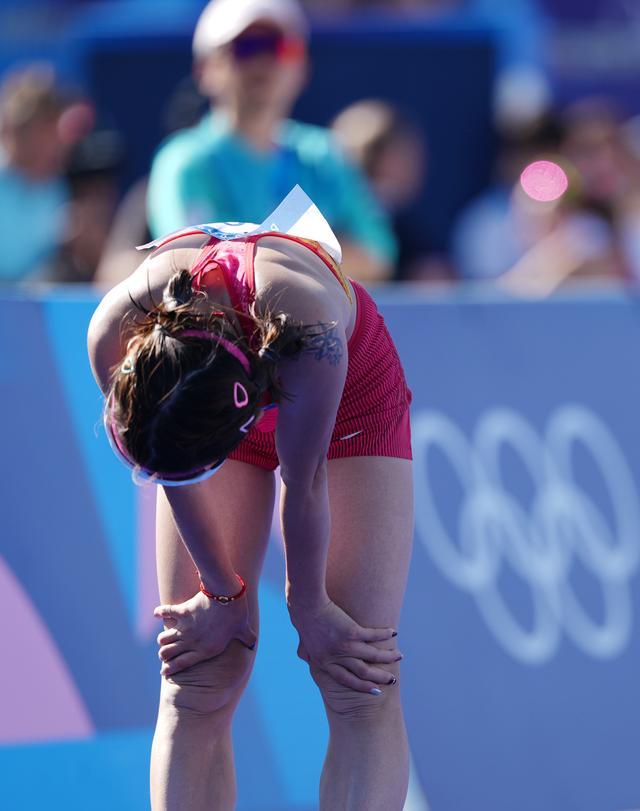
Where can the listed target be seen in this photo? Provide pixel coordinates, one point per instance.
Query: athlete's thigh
(242, 498)
(371, 502)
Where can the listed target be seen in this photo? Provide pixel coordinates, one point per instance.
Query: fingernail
(398, 659)
(251, 647)
(393, 680)
(395, 633)
(375, 691)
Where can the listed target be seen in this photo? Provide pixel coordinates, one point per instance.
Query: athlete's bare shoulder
(284, 264)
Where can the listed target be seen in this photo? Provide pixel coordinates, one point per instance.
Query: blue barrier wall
(520, 621)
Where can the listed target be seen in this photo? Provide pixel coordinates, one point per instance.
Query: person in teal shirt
(34, 197)
(245, 155)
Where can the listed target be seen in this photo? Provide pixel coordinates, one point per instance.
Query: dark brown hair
(174, 410)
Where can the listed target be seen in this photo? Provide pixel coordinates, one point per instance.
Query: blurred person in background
(532, 246)
(33, 192)
(492, 233)
(184, 108)
(579, 237)
(245, 155)
(92, 176)
(628, 208)
(570, 242)
(593, 143)
(391, 150)
(601, 145)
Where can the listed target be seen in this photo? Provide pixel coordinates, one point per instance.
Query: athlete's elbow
(103, 349)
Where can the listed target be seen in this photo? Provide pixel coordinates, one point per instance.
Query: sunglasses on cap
(282, 47)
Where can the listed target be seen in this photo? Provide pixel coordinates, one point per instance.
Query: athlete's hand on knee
(200, 629)
(332, 641)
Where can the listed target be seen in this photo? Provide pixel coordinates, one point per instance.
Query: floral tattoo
(326, 345)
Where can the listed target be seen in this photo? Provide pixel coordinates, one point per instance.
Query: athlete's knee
(348, 703)
(210, 686)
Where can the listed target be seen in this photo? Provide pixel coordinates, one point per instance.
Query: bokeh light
(544, 181)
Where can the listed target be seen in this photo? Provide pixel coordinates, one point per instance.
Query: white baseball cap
(222, 20)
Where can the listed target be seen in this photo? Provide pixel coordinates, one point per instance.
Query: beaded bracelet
(223, 598)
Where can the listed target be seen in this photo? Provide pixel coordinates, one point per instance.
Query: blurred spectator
(573, 242)
(386, 146)
(33, 193)
(582, 234)
(120, 258)
(92, 175)
(245, 155)
(603, 150)
(601, 227)
(593, 142)
(628, 208)
(493, 231)
(129, 228)
(534, 247)
(391, 151)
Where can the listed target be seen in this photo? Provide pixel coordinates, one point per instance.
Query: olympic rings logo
(543, 540)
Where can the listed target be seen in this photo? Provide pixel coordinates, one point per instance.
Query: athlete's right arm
(106, 348)
(189, 508)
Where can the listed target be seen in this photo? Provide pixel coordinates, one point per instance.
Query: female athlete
(226, 354)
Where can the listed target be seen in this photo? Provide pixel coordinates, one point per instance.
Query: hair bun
(179, 290)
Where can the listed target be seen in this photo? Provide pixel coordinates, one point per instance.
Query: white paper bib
(297, 215)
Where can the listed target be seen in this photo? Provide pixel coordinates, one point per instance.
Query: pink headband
(231, 348)
(240, 394)
(240, 398)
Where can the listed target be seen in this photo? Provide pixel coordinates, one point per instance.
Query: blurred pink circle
(544, 181)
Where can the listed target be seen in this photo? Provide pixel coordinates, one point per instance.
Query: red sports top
(373, 416)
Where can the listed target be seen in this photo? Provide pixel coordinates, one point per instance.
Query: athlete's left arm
(315, 380)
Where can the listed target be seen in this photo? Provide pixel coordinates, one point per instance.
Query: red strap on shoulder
(204, 262)
(186, 232)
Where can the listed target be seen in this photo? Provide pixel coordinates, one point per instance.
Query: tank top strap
(204, 262)
(229, 257)
(156, 244)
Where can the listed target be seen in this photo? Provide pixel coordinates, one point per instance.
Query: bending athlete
(228, 352)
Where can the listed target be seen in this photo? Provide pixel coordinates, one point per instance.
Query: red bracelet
(223, 598)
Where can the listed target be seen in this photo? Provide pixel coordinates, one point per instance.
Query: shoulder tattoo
(326, 345)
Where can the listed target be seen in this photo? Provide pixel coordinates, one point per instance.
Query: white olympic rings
(548, 538)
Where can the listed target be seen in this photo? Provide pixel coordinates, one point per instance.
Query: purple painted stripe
(39, 700)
